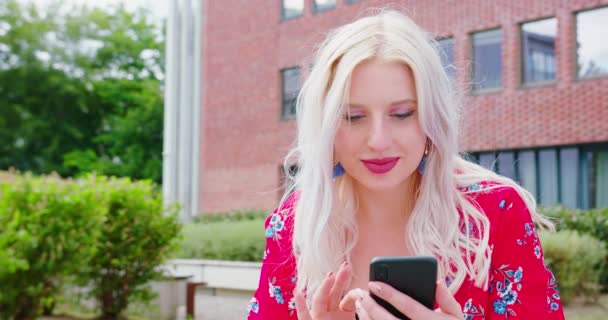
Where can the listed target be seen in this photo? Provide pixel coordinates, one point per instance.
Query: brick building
(536, 109)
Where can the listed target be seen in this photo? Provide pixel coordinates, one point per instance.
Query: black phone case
(413, 276)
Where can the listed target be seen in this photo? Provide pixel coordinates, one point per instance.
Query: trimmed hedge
(224, 240)
(47, 228)
(593, 222)
(577, 261)
(110, 234)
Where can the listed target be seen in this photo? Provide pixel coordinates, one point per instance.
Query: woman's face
(380, 143)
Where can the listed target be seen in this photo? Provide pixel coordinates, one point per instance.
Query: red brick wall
(246, 44)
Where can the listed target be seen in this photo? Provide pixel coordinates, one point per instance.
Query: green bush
(225, 240)
(137, 235)
(576, 261)
(593, 222)
(236, 215)
(47, 228)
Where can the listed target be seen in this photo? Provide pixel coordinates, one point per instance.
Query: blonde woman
(380, 175)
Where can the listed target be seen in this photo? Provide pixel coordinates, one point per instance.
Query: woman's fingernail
(330, 274)
(374, 287)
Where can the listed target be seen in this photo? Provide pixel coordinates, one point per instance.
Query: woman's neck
(390, 207)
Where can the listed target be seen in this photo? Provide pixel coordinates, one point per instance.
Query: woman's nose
(378, 138)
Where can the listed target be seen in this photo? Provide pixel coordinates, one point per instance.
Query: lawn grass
(241, 240)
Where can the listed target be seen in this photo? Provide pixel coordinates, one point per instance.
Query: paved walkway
(210, 307)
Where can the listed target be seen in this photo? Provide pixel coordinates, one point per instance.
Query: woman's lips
(380, 166)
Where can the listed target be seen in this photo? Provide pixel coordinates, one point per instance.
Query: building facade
(533, 74)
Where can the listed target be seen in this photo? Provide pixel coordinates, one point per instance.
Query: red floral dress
(520, 287)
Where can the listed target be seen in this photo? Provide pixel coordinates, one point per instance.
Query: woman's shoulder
(492, 197)
(279, 224)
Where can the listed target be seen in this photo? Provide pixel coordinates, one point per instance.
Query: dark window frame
(482, 91)
(317, 9)
(575, 49)
(284, 115)
(452, 67)
(285, 18)
(586, 176)
(521, 69)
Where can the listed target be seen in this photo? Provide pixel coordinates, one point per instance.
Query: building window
(601, 184)
(568, 172)
(538, 50)
(506, 164)
(548, 177)
(526, 167)
(322, 5)
(591, 44)
(571, 176)
(291, 9)
(487, 59)
(487, 160)
(290, 84)
(446, 52)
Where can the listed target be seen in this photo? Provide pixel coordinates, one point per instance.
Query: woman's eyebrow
(404, 101)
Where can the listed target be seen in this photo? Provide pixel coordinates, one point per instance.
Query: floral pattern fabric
(520, 285)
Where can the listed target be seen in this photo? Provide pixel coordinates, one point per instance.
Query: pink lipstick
(380, 166)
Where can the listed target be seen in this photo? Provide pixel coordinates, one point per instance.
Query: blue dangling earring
(422, 165)
(338, 170)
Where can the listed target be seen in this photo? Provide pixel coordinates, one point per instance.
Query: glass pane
(526, 165)
(601, 186)
(487, 160)
(487, 59)
(547, 162)
(291, 87)
(324, 4)
(506, 164)
(538, 50)
(588, 180)
(569, 168)
(591, 44)
(292, 8)
(447, 55)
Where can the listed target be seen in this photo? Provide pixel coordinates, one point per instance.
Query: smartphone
(413, 276)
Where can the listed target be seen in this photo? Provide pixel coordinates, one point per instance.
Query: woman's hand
(367, 308)
(326, 301)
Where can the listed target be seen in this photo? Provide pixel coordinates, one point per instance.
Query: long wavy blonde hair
(325, 230)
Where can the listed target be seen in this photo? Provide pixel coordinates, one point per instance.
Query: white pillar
(197, 105)
(171, 104)
(182, 106)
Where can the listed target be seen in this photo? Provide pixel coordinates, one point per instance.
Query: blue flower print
(518, 275)
(474, 187)
(275, 226)
(510, 297)
(269, 232)
(507, 289)
(274, 219)
(502, 204)
(499, 307)
(471, 312)
(275, 291)
(253, 306)
(291, 306)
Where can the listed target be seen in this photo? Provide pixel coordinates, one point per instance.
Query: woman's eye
(353, 117)
(403, 115)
